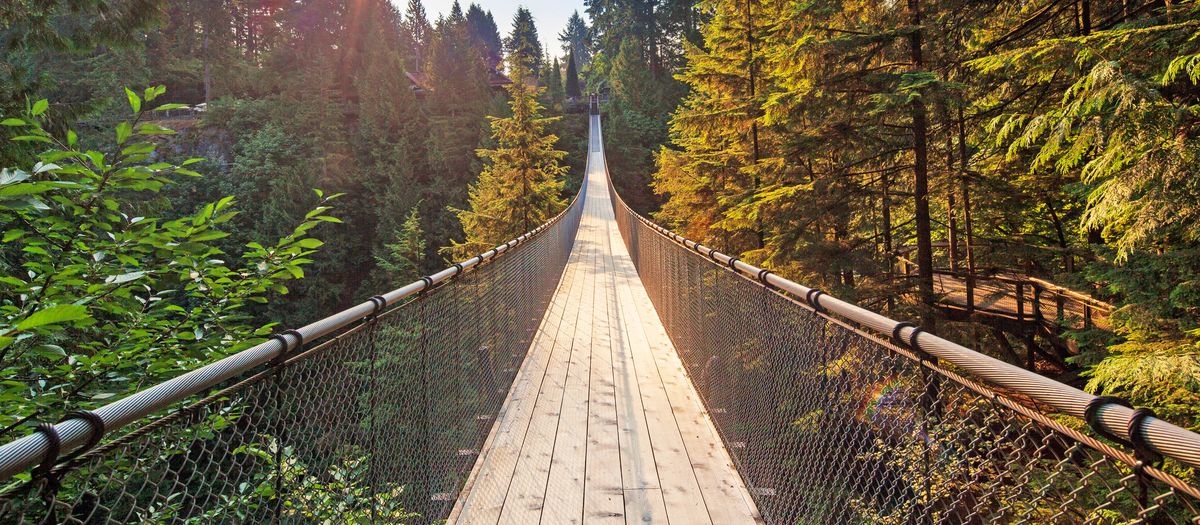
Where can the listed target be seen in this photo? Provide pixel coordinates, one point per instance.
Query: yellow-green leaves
(53, 315)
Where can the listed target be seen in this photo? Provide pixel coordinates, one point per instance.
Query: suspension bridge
(601, 368)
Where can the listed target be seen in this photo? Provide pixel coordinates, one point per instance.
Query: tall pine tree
(521, 184)
(523, 42)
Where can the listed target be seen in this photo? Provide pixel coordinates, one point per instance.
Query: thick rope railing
(53, 450)
(745, 316)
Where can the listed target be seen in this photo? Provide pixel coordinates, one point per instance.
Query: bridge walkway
(602, 425)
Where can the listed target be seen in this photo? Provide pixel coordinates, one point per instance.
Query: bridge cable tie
(1137, 437)
(762, 276)
(1090, 416)
(813, 298)
(287, 349)
(98, 429)
(379, 304)
(915, 346)
(55, 446)
(1145, 455)
(896, 332)
(458, 269)
(732, 262)
(428, 283)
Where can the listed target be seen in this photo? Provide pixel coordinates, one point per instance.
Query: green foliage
(342, 493)
(485, 34)
(402, 261)
(572, 78)
(99, 298)
(1071, 132)
(521, 184)
(554, 84)
(523, 44)
(576, 41)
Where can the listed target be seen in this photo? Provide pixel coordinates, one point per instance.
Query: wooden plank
(566, 479)
(603, 499)
(527, 490)
(724, 492)
(485, 498)
(680, 490)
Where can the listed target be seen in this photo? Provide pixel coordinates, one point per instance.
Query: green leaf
(33, 138)
(309, 243)
(166, 107)
(124, 131)
(123, 278)
(12, 122)
(40, 107)
(12, 235)
(50, 351)
(135, 102)
(53, 315)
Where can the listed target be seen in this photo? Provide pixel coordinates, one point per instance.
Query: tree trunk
(951, 212)
(751, 111)
(920, 133)
(966, 206)
(886, 218)
(207, 68)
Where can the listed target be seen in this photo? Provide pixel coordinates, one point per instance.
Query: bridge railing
(836, 414)
(374, 414)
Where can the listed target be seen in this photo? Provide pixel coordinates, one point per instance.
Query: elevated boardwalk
(602, 425)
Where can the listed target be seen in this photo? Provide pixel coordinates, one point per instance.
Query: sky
(550, 15)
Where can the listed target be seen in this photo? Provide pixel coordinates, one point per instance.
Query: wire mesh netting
(379, 424)
(829, 424)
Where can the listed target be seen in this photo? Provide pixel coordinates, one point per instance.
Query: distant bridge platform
(602, 425)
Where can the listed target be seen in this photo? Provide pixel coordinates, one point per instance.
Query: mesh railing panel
(829, 424)
(379, 424)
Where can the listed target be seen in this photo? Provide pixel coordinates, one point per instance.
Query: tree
(403, 258)
(575, 40)
(521, 184)
(417, 26)
(572, 87)
(523, 42)
(713, 199)
(100, 298)
(485, 34)
(554, 84)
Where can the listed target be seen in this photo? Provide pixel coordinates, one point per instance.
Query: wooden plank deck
(602, 424)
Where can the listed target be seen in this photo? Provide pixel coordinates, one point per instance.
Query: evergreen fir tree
(572, 80)
(402, 259)
(484, 34)
(554, 84)
(523, 42)
(420, 32)
(575, 39)
(521, 184)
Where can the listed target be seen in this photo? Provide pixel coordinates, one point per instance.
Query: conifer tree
(714, 199)
(521, 184)
(416, 24)
(575, 39)
(402, 259)
(572, 80)
(523, 41)
(484, 34)
(554, 84)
